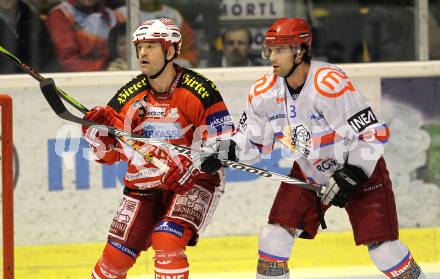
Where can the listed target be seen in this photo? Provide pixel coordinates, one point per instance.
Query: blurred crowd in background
(91, 35)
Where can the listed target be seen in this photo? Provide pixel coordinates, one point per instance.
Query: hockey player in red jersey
(169, 103)
(335, 139)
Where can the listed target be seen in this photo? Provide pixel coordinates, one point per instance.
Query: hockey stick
(57, 105)
(51, 88)
(239, 166)
(29, 70)
(50, 92)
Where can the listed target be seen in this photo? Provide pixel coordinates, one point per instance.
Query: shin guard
(274, 249)
(169, 241)
(115, 262)
(395, 260)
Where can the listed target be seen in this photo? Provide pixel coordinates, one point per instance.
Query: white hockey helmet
(159, 30)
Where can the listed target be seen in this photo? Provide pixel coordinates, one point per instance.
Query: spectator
(24, 34)
(152, 9)
(205, 21)
(79, 30)
(117, 46)
(237, 43)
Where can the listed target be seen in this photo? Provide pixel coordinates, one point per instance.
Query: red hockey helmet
(162, 30)
(288, 31)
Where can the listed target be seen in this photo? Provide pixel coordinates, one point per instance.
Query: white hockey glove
(342, 185)
(221, 150)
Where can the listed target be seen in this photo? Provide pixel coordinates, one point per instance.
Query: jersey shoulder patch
(128, 91)
(262, 86)
(332, 82)
(201, 87)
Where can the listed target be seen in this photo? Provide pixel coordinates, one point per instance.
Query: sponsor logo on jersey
(220, 120)
(173, 113)
(198, 87)
(155, 112)
(362, 120)
(161, 112)
(147, 172)
(316, 116)
(125, 214)
(193, 206)
(123, 249)
(407, 268)
(326, 165)
(169, 227)
(148, 185)
(271, 266)
(332, 83)
(280, 100)
(150, 111)
(126, 92)
(163, 131)
(276, 115)
(261, 86)
(301, 139)
(242, 125)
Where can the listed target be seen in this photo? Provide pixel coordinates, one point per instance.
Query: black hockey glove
(223, 150)
(342, 185)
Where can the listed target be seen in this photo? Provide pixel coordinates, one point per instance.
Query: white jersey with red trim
(328, 124)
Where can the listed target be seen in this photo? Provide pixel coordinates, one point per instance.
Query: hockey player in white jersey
(335, 139)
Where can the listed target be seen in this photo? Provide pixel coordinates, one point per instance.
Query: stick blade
(49, 90)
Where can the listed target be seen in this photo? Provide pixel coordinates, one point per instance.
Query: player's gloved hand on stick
(221, 150)
(98, 138)
(181, 176)
(342, 185)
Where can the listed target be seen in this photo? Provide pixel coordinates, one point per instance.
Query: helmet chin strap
(164, 65)
(161, 70)
(293, 67)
